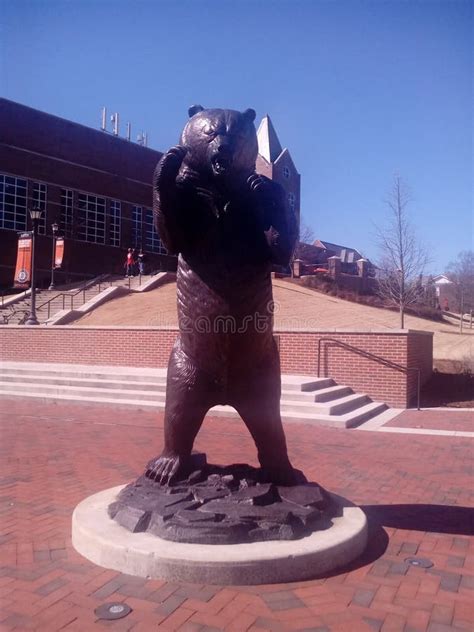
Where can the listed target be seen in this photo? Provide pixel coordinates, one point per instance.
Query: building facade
(96, 186)
(276, 163)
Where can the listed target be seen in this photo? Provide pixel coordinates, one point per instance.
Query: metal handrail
(7, 317)
(372, 356)
(70, 296)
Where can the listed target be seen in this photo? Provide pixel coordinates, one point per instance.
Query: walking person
(141, 262)
(129, 263)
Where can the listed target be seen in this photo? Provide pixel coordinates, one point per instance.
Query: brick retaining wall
(150, 347)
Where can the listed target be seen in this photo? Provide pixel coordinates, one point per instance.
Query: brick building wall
(419, 356)
(151, 346)
(60, 155)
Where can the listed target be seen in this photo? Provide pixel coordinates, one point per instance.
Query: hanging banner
(59, 252)
(23, 261)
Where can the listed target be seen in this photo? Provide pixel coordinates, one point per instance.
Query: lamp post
(35, 214)
(54, 228)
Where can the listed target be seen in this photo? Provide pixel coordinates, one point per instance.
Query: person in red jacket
(129, 263)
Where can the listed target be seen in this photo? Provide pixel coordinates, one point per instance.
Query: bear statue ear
(194, 109)
(250, 115)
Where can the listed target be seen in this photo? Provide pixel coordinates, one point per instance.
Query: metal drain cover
(421, 562)
(116, 610)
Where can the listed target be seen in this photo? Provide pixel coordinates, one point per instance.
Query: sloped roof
(348, 255)
(285, 157)
(268, 144)
(442, 279)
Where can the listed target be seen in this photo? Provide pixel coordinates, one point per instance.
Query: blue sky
(358, 91)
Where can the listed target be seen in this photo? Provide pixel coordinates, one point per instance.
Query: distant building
(446, 294)
(95, 185)
(276, 163)
(346, 254)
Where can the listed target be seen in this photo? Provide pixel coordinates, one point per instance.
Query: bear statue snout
(222, 157)
(224, 145)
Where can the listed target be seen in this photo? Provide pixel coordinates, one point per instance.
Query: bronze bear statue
(228, 225)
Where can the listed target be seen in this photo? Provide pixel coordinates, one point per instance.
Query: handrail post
(319, 357)
(418, 388)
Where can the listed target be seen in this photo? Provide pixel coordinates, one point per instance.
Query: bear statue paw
(165, 470)
(259, 183)
(171, 163)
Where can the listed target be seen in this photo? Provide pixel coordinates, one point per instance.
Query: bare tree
(306, 236)
(403, 258)
(461, 273)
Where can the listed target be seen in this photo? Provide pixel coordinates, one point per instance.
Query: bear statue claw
(256, 182)
(165, 469)
(178, 150)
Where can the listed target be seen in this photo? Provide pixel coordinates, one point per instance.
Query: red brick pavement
(452, 419)
(415, 489)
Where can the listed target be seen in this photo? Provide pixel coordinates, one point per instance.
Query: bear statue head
(221, 145)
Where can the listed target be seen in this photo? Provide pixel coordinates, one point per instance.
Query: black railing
(68, 296)
(371, 356)
(15, 312)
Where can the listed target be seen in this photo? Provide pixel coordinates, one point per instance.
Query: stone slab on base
(101, 540)
(214, 504)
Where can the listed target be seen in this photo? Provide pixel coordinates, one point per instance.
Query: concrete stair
(304, 399)
(48, 303)
(17, 312)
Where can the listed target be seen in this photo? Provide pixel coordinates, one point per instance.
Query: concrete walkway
(415, 489)
(448, 422)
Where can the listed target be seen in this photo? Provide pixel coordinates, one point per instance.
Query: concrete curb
(66, 316)
(156, 281)
(15, 299)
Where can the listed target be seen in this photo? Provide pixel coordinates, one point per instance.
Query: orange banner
(23, 261)
(59, 252)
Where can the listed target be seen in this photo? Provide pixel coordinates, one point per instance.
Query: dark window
(152, 239)
(13, 207)
(91, 218)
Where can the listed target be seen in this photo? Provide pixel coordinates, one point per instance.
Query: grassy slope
(296, 307)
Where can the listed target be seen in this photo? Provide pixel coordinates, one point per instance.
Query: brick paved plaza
(415, 488)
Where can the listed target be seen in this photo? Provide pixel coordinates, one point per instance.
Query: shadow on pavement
(427, 518)
(432, 518)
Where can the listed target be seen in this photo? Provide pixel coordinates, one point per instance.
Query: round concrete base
(104, 542)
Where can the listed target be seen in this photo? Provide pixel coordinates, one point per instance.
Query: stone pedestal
(106, 543)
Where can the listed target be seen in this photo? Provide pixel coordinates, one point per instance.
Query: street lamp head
(54, 228)
(35, 213)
